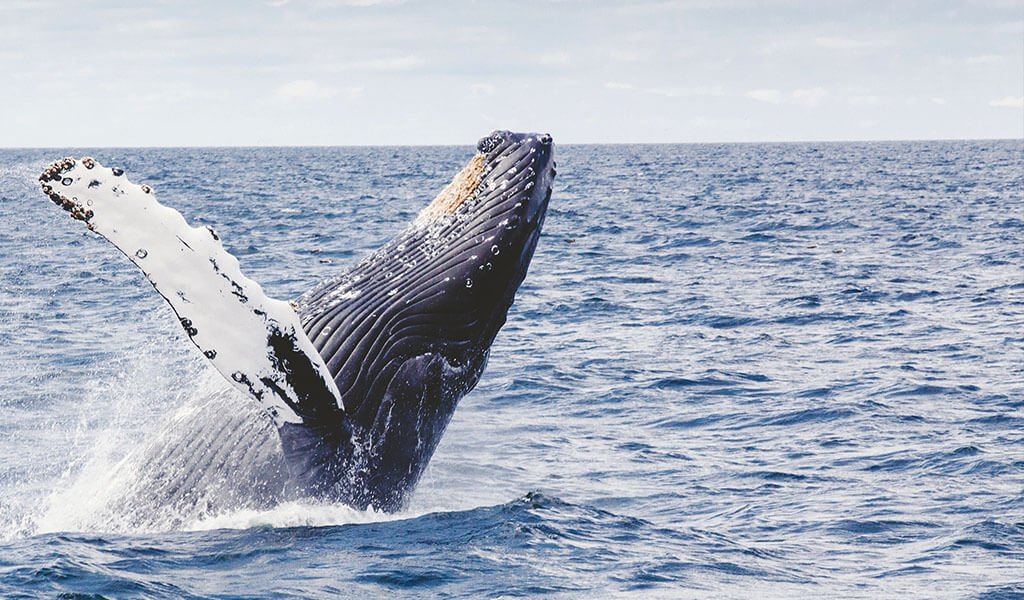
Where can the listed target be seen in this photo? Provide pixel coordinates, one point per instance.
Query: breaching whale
(360, 375)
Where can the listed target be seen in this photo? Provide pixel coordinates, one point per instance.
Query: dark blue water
(734, 371)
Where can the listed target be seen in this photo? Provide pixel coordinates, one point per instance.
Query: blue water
(790, 370)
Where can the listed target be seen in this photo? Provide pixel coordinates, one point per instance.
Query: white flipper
(256, 342)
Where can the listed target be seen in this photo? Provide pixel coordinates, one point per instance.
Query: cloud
(628, 55)
(150, 26)
(663, 7)
(164, 94)
(303, 89)
(555, 59)
(770, 96)
(719, 123)
(1008, 102)
(803, 43)
(984, 59)
(843, 43)
(778, 45)
(20, 5)
(482, 89)
(1013, 27)
(395, 63)
(810, 97)
(678, 92)
(865, 100)
(355, 3)
(669, 92)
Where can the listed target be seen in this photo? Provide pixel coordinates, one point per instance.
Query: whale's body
(360, 376)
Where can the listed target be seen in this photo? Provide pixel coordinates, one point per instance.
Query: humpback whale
(361, 374)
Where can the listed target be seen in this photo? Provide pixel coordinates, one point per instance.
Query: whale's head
(456, 268)
(480, 232)
(406, 333)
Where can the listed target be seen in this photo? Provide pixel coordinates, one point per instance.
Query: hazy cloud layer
(295, 72)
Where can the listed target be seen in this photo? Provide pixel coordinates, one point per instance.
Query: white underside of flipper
(225, 314)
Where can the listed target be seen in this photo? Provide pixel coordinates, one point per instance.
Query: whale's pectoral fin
(256, 342)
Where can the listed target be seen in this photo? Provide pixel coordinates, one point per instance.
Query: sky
(92, 73)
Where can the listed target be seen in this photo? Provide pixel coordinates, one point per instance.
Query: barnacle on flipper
(55, 172)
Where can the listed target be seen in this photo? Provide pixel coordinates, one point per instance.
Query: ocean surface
(734, 371)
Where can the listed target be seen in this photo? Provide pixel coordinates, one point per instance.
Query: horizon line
(442, 145)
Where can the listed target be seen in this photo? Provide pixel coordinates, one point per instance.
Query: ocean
(733, 371)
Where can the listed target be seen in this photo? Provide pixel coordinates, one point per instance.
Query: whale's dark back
(406, 333)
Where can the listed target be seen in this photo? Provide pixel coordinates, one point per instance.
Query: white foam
(292, 514)
(114, 414)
